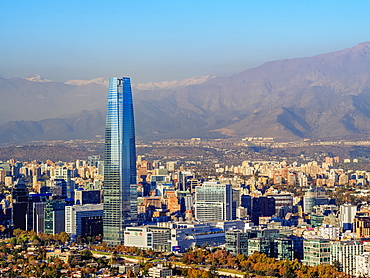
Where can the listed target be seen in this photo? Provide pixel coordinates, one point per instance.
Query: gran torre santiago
(120, 192)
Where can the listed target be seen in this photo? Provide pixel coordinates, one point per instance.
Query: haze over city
(153, 41)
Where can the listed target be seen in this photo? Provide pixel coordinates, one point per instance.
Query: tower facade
(120, 194)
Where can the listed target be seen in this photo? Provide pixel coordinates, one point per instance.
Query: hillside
(322, 97)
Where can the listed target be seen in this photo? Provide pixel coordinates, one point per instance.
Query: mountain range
(324, 97)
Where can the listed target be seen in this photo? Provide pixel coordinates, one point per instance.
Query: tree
(86, 254)
(212, 272)
(63, 237)
(289, 272)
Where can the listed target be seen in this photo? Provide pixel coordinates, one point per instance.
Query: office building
(84, 220)
(246, 202)
(159, 271)
(213, 201)
(36, 212)
(259, 245)
(283, 203)
(63, 177)
(362, 226)
(236, 242)
(83, 197)
(153, 237)
(316, 251)
(54, 215)
(283, 249)
(120, 191)
(315, 196)
(262, 206)
(19, 205)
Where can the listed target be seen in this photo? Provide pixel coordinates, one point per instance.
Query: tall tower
(120, 194)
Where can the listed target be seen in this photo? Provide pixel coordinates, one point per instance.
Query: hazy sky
(169, 40)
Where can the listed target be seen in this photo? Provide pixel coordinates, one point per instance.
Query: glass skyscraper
(120, 194)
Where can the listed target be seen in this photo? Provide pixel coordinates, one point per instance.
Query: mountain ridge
(321, 97)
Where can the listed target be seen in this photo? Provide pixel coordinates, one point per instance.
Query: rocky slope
(322, 97)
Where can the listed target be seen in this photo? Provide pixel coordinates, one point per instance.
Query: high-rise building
(19, 204)
(283, 249)
(63, 176)
(262, 206)
(346, 216)
(120, 196)
(54, 215)
(213, 201)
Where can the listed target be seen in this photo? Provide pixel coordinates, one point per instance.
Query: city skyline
(120, 161)
(170, 40)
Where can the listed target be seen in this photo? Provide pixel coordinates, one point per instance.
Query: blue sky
(169, 40)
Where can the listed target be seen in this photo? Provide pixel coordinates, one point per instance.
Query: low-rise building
(159, 271)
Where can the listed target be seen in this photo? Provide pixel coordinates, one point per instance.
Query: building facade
(213, 202)
(236, 242)
(316, 251)
(84, 220)
(345, 252)
(119, 162)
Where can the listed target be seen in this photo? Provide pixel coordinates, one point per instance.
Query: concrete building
(362, 226)
(362, 265)
(148, 237)
(345, 253)
(179, 236)
(329, 232)
(346, 216)
(159, 271)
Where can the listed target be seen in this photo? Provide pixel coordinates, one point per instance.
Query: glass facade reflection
(120, 196)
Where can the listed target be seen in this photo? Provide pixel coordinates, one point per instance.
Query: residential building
(362, 265)
(345, 252)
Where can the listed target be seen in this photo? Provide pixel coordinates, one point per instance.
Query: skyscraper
(120, 194)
